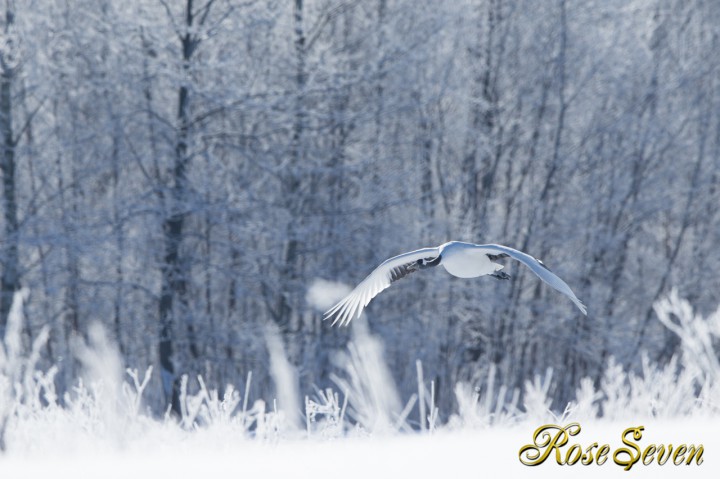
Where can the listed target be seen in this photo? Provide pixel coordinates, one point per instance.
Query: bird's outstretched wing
(381, 278)
(538, 268)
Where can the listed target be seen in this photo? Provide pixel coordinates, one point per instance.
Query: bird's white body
(464, 260)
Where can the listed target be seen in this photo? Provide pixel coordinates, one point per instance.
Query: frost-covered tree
(184, 172)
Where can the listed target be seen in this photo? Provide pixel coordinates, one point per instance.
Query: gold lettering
(574, 449)
(545, 442)
(636, 433)
(553, 437)
(662, 458)
(602, 454)
(679, 455)
(696, 453)
(587, 458)
(647, 457)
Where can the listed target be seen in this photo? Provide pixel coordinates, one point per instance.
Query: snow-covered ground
(467, 453)
(101, 429)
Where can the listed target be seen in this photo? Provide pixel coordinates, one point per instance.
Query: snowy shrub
(687, 385)
(699, 336)
(21, 384)
(487, 409)
(324, 415)
(374, 404)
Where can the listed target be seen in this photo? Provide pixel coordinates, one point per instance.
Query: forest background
(197, 175)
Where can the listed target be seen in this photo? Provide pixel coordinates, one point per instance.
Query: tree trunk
(173, 296)
(10, 281)
(291, 183)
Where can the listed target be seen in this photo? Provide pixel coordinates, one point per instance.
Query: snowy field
(468, 453)
(188, 186)
(103, 429)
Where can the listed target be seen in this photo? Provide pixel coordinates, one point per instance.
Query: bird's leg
(500, 275)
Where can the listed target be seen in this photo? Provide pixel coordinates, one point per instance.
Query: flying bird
(463, 260)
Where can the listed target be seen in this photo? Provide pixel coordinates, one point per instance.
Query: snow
(323, 294)
(362, 429)
(464, 453)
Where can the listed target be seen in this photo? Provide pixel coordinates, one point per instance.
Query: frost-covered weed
(325, 415)
(373, 401)
(687, 385)
(22, 386)
(698, 336)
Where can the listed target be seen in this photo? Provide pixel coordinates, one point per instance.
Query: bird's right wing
(538, 267)
(381, 278)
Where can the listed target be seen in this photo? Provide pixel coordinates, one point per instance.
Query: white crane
(464, 260)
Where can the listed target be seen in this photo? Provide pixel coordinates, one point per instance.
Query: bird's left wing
(538, 268)
(381, 278)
